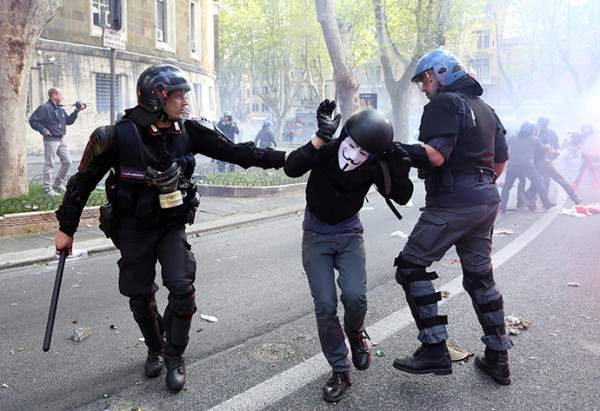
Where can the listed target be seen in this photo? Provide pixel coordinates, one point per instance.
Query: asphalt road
(251, 279)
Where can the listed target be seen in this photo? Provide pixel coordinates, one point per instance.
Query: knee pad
(475, 281)
(143, 307)
(407, 272)
(182, 305)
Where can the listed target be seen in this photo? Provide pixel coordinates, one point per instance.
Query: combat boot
(336, 386)
(495, 364)
(428, 358)
(359, 346)
(154, 364)
(175, 372)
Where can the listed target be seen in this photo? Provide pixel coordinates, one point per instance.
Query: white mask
(351, 155)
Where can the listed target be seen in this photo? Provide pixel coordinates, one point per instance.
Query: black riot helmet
(156, 79)
(370, 130)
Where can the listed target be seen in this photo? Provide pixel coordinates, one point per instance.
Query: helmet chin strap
(164, 116)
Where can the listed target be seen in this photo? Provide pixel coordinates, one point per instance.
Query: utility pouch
(108, 221)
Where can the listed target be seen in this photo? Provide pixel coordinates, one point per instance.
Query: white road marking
(283, 384)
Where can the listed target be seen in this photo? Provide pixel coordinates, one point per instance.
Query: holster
(192, 203)
(108, 222)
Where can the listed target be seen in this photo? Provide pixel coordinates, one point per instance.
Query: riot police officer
(342, 171)
(463, 152)
(230, 129)
(150, 189)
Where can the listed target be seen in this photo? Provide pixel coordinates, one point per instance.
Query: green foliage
(37, 200)
(263, 178)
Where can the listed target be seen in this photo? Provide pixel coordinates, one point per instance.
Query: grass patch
(37, 200)
(252, 178)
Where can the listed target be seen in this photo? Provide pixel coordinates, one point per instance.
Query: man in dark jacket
(51, 121)
(341, 172)
(230, 129)
(543, 163)
(152, 195)
(265, 137)
(523, 150)
(463, 152)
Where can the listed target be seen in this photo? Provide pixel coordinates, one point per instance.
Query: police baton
(54, 302)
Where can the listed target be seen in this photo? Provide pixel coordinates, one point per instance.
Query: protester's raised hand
(326, 122)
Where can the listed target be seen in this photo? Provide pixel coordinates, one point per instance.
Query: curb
(248, 191)
(39, 255)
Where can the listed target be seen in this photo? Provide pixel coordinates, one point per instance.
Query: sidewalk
(214, 213)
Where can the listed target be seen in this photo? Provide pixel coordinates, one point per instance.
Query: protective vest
(475, 125)
(132, 196)
(475, 148)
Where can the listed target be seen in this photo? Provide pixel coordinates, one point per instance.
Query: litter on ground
(209, 318)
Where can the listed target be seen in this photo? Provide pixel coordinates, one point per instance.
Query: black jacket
(101, 154)
(265, 138)
(524, 150)
(333, 195)
(229, 129)
(52, 118)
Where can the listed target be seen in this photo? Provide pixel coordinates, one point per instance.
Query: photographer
(51, 121)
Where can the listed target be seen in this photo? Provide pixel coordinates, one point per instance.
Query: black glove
(327, 124)
(398, 159)
(269, 158)
(417, 154)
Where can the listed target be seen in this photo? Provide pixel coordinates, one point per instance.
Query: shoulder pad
(446, 101)
(102, 139)
(202, 125)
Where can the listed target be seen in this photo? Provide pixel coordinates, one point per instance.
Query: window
(482, 37)
(193, 26)
(211, 98)
(100, 17)
(198, 97)
(103, 93)
(482, 70)
(100, 13)
(29, 108)
(265, 107)
(165, 25)
(161, 21)
(254, 107)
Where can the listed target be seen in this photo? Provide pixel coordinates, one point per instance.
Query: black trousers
(142, 248)
(548, 172)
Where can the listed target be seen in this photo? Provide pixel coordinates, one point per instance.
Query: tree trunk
(430, 33)
(22, 23)
(400, 100)
(345, 84)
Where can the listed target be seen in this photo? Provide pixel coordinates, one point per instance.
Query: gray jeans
(59, 148)
(469, 229)
(346, 253)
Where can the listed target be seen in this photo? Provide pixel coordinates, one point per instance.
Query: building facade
(70, 55)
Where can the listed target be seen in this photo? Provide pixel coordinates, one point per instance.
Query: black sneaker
(336, 386)
(359, 346)
(175, 372)
(427, 359)
(495, 364)
(154, 364)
